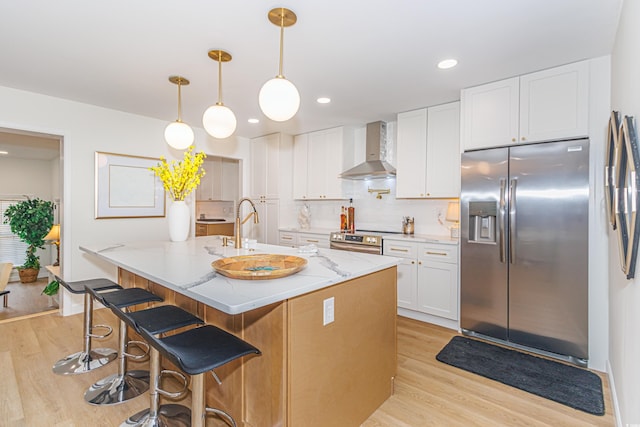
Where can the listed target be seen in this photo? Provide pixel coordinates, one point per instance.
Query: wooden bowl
(259, 266)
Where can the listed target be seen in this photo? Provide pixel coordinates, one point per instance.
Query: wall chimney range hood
(374, 166)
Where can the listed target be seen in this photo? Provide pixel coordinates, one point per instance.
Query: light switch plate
(328, 311)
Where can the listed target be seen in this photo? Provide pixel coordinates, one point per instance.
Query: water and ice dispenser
(482, 221)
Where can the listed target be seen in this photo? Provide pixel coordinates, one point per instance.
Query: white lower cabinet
(427, 277)
(320, 240)
(408, 284)
(295, 238)
(289, 238)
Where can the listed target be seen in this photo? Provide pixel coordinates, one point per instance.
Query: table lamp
(54, 237)
(453, 215)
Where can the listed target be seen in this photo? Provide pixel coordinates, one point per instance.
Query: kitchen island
(312, 371)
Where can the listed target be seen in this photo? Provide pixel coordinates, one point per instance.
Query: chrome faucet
(238, 238)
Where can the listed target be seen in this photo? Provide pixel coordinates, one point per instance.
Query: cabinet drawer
(320, 240)
(288, 239)
(440, 253)
(399, 249)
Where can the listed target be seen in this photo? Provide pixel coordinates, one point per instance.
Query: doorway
(30, 166)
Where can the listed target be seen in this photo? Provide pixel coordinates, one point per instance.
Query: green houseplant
(30, 220)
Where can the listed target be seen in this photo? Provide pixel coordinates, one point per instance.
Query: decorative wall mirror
(610, 166)
(632, 185)
(621, 200)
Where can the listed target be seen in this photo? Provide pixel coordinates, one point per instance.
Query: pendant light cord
(179, 101)
(219, 78)
(280, 75)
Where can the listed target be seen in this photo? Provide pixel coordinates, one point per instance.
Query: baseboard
(429, 318)
(614, 396)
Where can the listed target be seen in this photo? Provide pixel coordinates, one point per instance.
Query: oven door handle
(356, 248)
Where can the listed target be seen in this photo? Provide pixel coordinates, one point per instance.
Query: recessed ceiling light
(447, 63)
(253, 121)
(4, 152)
(323, 100)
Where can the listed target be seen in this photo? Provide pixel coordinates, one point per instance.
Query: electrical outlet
(328, 311)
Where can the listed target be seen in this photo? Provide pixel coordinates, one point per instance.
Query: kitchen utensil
(407, 225)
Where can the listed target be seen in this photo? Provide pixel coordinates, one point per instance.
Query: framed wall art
(126, 188)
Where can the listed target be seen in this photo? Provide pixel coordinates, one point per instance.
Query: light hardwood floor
(26, 299)
(427, 392)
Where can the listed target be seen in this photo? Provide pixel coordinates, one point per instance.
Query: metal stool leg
(171, 415)
(87, 359)
(124, 385)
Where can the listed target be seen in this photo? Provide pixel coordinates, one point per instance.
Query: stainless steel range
(360, 241)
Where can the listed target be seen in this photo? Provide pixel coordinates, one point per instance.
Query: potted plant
(30, 220)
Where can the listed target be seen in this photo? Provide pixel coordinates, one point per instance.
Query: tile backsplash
(371, 213)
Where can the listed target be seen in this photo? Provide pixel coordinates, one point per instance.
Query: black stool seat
(81, 286)
(158, 320)
(124, 297)
(89, 358)
(125, 384)
(201, 349)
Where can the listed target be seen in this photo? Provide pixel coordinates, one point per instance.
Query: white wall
(86, 129)
(624, 295)
(29, 178)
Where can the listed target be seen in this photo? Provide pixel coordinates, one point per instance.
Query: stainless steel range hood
(374, 166)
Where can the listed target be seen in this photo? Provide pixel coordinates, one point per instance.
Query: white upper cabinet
(318, 163)
(270, 166)
(428, 152)
(265, 166)
(411, 154)
(221, 179)
(490, 114)
(546, 105)
(300, 171)
(554, 104)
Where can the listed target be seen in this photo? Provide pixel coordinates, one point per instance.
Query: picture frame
(613, 146)
(632, 186)
(126, 188)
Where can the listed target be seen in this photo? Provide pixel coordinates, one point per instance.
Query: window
(12, 249)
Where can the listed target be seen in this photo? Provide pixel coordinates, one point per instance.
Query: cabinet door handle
(419, 262)
(413, 262)
(287, 238)
(436, 253)
(399, 250)
(311, 240)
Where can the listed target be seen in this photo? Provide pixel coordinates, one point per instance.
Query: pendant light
(279, 99)
(218, 120)
(178, 134)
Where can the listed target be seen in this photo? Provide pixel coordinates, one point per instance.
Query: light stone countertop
(420, 238)
(185, 267)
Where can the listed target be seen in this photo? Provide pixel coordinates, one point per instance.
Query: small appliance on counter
(407, 225)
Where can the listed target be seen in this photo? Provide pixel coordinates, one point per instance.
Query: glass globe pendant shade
(179, 135)
(279, 99)
(219, 121)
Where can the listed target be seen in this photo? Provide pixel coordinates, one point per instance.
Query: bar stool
(87, 359)
(123, 385)
(197, 351)
(156, 321)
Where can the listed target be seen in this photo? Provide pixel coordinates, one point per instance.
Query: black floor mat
(569, 385)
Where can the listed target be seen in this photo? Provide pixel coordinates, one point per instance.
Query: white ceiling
(373, 58)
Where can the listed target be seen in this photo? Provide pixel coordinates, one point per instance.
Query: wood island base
(308, 374)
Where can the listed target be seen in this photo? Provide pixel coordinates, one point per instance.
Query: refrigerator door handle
(512, 221)
(502, 219)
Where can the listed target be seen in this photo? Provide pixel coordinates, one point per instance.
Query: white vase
(179, 221)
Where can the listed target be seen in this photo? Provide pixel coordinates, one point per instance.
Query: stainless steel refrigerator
(524, 246)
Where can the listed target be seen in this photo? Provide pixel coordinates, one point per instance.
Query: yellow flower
(180, 178)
